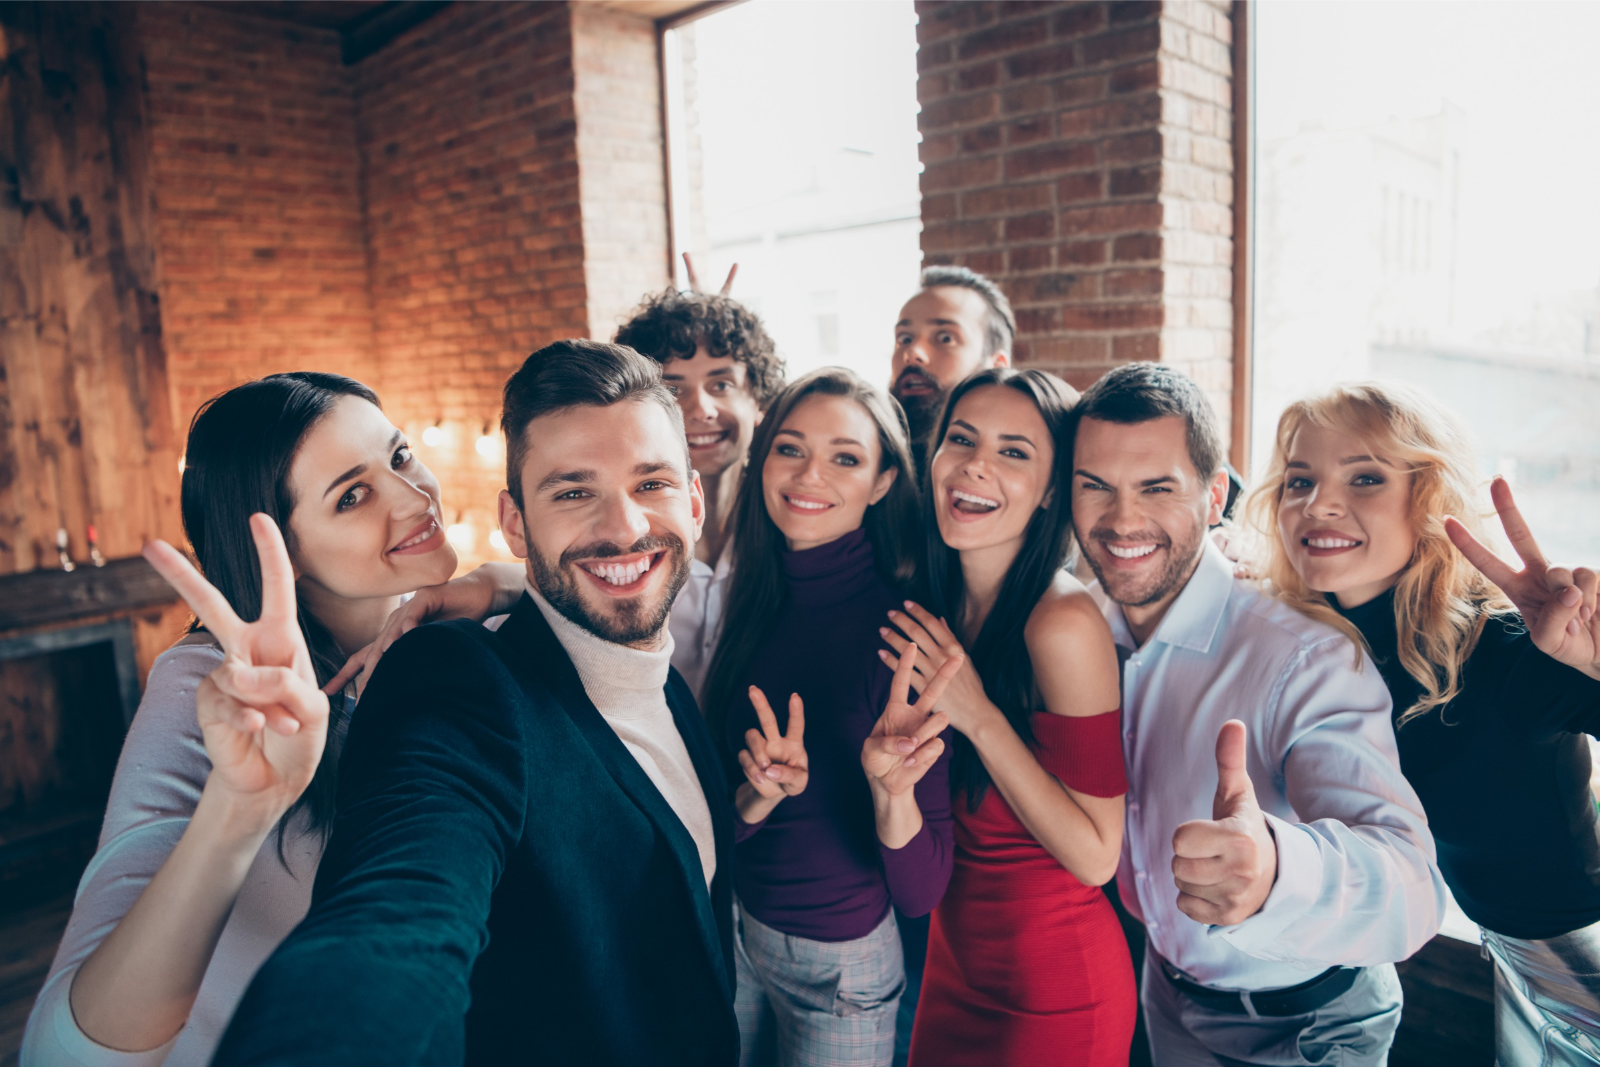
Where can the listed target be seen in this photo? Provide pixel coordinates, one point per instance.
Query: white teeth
(417, 540)
(1130, 551)
(807, 505)
(619, 573)
(1330, 542)
(700, 440)
(981, 501)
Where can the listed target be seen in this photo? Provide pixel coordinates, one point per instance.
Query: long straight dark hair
(241, 445)
(998, 650)
(758, 589)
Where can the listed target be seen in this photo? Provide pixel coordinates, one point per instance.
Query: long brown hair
(758, 589)
(1440, 600)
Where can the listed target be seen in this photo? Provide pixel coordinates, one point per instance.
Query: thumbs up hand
(1225, 866)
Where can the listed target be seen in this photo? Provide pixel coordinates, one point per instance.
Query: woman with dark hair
(1026, 959)
(191, 888)
(822, 547)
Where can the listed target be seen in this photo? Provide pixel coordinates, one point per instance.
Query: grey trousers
(804, 1003)
(1353, 1030)
(1546, 999)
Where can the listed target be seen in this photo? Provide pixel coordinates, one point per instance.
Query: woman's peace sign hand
(263, 718)
(775, 764)
(1557, 603)
(905, 743)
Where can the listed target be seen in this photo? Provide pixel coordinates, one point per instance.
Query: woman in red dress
(1027, 963)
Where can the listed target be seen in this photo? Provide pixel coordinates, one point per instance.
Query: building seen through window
(1421, 219)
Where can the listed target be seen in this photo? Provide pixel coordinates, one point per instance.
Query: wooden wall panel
(86, 434)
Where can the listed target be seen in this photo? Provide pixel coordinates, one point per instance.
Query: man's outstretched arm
(431, 797)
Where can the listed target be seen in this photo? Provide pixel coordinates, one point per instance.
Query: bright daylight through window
(1426, 211)
(794, 154)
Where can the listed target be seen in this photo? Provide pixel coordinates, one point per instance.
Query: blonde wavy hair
(1440, 601)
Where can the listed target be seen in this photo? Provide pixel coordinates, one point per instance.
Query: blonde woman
(1369, 512)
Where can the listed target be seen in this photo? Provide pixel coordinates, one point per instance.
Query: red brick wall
(621, 162)
(468, 129)
(1079, 154)
(256, 172)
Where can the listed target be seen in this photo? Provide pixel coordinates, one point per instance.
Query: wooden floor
(28, 939)
(1449, 990)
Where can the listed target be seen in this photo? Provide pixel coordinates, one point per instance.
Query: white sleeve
(160, 774)
(1357, 881)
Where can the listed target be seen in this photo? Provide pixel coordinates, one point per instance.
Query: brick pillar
(1080, 154)
(621, 162)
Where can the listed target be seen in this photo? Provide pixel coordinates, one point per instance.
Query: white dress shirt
(1357, 882)
(696, 620)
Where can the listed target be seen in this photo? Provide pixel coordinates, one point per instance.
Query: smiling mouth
(706, 440)
(422, 536)
(622, 577)
(1129, 552)
(1325, 545)
(970, 503)
(806, 505)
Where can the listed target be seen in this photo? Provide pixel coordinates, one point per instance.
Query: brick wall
(256, 172)
(1080, 154)
(468, 129)
(620, 160)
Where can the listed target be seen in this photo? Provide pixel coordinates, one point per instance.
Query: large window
(793, 140)
(1428, 209)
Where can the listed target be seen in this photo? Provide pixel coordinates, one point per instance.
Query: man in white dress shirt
(723, 368)
(1279, 861)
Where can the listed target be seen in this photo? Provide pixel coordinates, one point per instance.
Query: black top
(1503, 775)
(503, 884)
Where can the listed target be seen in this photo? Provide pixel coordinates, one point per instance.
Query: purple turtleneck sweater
(815, 867)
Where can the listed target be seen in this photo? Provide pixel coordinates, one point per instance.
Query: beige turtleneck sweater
(628, 687)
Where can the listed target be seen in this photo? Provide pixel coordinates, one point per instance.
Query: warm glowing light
(460, 535)
(433, 436)
(183, 464)
(498, 540)
(487, 446)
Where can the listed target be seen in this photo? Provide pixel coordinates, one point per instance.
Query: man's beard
(633, 622)
(922, 410)
(1181, 560)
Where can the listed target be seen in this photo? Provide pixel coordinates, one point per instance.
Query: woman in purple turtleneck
(827, 838)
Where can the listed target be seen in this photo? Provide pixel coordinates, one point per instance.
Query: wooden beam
(46, 597)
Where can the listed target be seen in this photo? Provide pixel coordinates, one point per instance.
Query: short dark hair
(1000, 324)
(576, 373)
(673, 325)
(1139, 392)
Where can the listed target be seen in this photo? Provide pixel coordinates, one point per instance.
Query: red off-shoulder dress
(1026, 964)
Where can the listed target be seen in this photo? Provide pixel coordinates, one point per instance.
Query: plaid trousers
(804, 1003)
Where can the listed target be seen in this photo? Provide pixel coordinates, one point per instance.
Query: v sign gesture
(905, 742)
(1557, 603)
(263, 718)
(775, 764)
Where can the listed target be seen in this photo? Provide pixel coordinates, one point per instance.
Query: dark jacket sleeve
(432, 796)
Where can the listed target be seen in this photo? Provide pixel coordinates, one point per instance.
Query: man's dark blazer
(497, 846)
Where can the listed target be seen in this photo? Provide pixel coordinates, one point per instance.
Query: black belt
(1299, 999)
